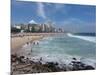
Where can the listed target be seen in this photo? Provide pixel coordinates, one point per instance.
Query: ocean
(63, 47)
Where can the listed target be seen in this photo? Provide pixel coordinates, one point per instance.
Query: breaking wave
(86, 38)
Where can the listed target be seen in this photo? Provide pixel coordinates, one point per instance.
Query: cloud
(41, 10)
(48, 10)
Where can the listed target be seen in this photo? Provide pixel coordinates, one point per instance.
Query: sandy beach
(18, 41)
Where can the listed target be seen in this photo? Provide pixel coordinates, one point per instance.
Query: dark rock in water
(74, 58)
(53, 66)
(73, 62)
(31, 62)
(22, 57)
(77, 65)
(89, 68)
(41, 59)
(78, 62)
(56, 63)
(52, 63)
(82, 64)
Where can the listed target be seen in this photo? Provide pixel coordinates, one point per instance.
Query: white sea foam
(63, 59)
(86, 38)
(47, 38)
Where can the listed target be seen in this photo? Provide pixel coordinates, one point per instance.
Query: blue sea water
(62, 48)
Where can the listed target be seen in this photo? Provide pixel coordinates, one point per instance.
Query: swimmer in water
(37, 43)
(34, 43)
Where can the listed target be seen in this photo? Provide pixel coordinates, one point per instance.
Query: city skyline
(74, 18)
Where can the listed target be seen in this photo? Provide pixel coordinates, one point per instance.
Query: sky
(70, 17)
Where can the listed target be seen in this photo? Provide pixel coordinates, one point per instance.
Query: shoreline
(20, 39)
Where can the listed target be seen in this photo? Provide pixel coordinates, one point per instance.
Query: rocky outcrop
(22, 65)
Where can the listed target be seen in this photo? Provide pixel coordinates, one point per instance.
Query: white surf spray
(86, 38)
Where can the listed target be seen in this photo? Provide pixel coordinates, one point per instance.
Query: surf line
(86, 38)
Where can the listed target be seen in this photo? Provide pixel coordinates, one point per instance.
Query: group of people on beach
(34, 43)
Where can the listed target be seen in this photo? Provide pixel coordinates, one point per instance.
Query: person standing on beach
(31, 50)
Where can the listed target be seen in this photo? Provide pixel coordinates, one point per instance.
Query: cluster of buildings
(34, 27)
